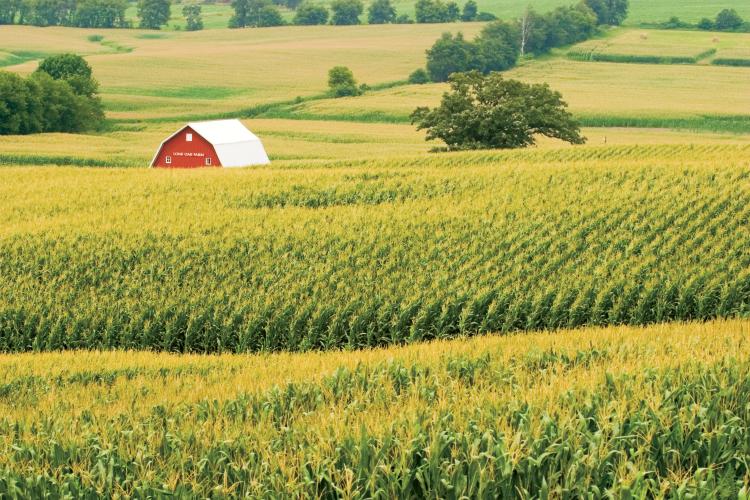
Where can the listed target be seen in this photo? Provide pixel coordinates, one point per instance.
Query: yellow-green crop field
(346, 322)
(316, 255)
(622, 412)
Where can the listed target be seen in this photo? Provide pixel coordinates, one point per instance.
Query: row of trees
(60, 96)
(78, 13)
(265, 13)
(501, 43)
(91, 13)
(726, 20)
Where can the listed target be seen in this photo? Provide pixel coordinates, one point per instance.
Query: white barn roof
(235, 145)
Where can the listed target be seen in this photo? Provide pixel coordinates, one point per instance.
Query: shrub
(341, 82)
(404, 19)
(706, 24)
(731, 62)
(419, 77)
(486, 16)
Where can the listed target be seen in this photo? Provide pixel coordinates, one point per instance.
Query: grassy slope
(625, 410)
(289, 258)
(226, 71)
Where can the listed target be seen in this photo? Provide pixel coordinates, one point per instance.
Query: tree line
(60, 96)
(500, 44)
(75, 13)
(726, 20)
(266, 13)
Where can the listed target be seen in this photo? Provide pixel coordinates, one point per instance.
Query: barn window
(208, 160)
(169, 160)
(189, 137)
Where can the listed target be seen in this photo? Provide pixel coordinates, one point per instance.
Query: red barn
(219, 143)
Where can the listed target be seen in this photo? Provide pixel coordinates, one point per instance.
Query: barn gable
(226, 143)
(186, 148)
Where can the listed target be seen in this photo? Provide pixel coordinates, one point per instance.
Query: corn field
(619, 412)
(335, 256)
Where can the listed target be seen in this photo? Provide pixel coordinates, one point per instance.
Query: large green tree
(153, 13)
(451, 54)
(193, 18)
(346, 12)
(612, 12)
(728, 20)
(72, 69)
(490, 112)
(101, 14)
(381, 12)
(498, 46)
(309, 14)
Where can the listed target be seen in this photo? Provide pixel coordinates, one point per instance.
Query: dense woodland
(60, 96)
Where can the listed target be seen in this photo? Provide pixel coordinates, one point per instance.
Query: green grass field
(641, 11)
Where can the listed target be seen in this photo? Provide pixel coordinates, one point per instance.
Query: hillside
(651, 412)
(257, 74)
(372, 252)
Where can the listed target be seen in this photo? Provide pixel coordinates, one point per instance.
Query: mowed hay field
(372, 252)
(152, 83)
(627, 412)
(215, 71)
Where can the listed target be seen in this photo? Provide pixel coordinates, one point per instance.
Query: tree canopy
(60, 96)
(381, 12)
(490, 112)
(193, 18)
(74, 70)
(341, 82)
(153, 13)
(346, 12)
(728, 20)
(309, 14)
